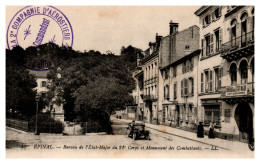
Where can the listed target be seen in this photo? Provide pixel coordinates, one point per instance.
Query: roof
(39, 74)
(182, 58)
(201, 10)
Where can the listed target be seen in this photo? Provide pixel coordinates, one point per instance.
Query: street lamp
(37, 98)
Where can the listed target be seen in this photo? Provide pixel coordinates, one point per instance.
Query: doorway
(244, 120)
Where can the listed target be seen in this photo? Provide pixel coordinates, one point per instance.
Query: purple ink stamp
(37, 25)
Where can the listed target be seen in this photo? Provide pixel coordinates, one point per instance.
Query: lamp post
(37, 98)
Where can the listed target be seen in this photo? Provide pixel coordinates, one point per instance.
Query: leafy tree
(20, 96)
(130, 55)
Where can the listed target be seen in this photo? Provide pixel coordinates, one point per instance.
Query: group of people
(200, 131)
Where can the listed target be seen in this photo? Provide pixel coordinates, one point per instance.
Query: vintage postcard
(130, 81)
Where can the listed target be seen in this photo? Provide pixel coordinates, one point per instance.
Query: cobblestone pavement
(162, 144)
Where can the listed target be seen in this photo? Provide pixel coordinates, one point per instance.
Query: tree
(130, 55)
(20, 96)
(95, 85)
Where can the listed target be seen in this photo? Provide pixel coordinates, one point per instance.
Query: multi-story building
(138, 92)
(211, 64)
(237, 51)
(178, 69)
(42, 82)
(226, 69)
(150, 75)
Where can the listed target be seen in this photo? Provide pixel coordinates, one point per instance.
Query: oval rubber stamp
(37, 25)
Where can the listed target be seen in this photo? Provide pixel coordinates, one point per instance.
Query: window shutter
(220, 38)
(220, 76)
(213, 16)
(203, 47)
(202, 82)
(211, 44)
(182, 88)
(209, 17)
(220, 11)
(203, 22)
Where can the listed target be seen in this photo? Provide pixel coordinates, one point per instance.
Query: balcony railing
(238, 90)
(150, 81)
(150, 97)
(238, 42)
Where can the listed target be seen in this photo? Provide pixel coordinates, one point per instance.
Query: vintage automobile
(137, 131)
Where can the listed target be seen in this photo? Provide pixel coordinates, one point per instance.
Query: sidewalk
(220, 143)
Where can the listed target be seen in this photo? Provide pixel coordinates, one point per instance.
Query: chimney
(173, 27)
(158, 38)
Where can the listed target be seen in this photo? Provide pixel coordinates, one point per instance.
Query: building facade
(178, 66)
(150, 78)
(225, 70)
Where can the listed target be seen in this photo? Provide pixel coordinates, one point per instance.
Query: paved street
(162, 144)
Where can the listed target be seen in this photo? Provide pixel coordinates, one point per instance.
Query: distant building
(150, 75)
(42, 81)
(178, 62)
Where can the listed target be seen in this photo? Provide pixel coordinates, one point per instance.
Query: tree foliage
(20, 96)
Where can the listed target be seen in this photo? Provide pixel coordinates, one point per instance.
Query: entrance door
(244, 120)
(151, 113)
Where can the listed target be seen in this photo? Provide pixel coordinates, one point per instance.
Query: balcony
(238, 93)
(151, 81)
(238, 47)
(150, 98)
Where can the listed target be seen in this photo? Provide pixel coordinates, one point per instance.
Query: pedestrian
(200, 131)
(211, 130)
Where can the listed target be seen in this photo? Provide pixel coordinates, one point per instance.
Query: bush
(46, 124)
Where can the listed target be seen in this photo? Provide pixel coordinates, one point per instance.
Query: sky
(109, 28)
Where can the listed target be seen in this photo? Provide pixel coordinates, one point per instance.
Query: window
(202, 83)
(217, 13)
(206, 81)
(187, 48)
(217, 79)
(210, 81)
(217, 40)
(185, 87)
(43, 83)
(175, 91)
(166, 92)
(227, 115)
(244, 28)
(233, 32)
(174, 71)
(207, 40)
(184, 67)
(233, 74)
(243, 72)
(166, 74)
(191, 88)
(212, 114)
(207, 20)
(191, 64)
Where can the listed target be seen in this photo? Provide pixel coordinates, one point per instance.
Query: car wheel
(251, 146)
(147, 137)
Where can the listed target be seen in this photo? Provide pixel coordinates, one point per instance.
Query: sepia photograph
(130, 81)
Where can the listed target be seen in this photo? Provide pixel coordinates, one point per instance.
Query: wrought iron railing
(238, 42)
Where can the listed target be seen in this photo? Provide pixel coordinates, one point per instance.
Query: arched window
(233, 74)
(243, 71)
(244, 28)
(233, 32)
